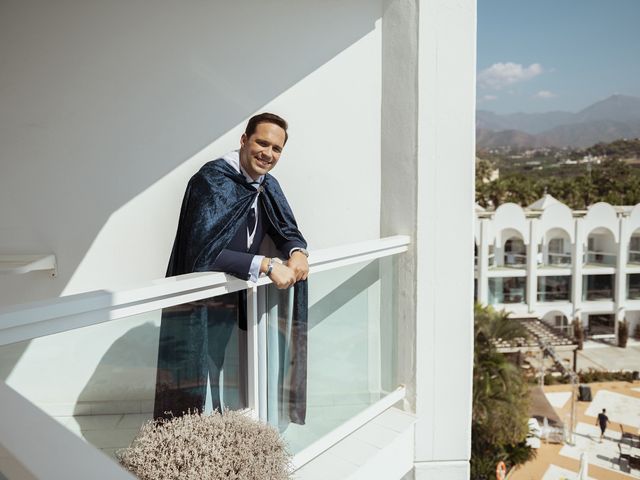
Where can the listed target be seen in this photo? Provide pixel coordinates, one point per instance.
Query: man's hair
(266, 118)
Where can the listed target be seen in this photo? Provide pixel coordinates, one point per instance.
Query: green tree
(500, 397)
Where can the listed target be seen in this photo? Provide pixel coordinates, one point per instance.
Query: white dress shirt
(233, 159)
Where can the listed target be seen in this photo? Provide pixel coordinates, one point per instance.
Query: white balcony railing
(350, 378)
(634, 256)
(600, 258)
(515, 259)
(559, 259)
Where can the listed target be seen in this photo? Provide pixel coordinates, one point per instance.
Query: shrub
(591, 376)
(207, 447)
(578, 333)
(623, 333)
(636, 332)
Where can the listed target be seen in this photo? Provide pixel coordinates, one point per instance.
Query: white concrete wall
(427, 192)
(107, 109)
(445, 212)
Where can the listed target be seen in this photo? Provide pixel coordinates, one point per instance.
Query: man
(602, 420)
(229, 206)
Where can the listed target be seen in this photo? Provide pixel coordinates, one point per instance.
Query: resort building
(560, 265)
(108, 108)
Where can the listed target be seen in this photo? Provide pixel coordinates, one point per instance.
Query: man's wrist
(264, 265)
(303, 251)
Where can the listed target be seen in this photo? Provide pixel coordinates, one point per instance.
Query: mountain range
(610, 119)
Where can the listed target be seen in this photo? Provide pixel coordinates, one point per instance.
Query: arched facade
(583, 265)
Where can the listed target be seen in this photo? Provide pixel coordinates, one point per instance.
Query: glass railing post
(253, 384)
(262, 353)
(273, 355)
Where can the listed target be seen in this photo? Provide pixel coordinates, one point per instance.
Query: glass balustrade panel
(634, 257)
(554, 288)
(559, 259)
(600, 258)
(350, 350)
(104, 381)
(507, 290)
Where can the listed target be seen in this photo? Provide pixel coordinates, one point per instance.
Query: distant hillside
(615, 117)
(585, 134)
(531, 123)
(512, 138)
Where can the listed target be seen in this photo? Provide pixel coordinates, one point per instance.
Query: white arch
(633, 223)
(553, 313)
(512, 217)
(556, 232)
(557, 215)
(600, 215)
(565, 324)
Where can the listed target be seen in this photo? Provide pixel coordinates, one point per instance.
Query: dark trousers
(193, 345)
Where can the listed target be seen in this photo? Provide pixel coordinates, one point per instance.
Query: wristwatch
(304, 251)
(269, 268)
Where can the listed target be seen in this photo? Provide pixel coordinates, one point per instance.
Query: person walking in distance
(602, 420)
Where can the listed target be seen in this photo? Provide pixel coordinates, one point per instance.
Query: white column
(532, 265)
(577, 252)
(621, 270)
(428, 114)
(483, 262)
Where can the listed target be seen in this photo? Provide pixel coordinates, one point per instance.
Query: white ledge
(27, 321)
(19, 264)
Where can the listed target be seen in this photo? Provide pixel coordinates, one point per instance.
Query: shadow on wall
(100, 100)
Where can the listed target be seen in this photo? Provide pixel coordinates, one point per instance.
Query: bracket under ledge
(19, 264)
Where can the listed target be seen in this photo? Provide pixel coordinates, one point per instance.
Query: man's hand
(281, 275)
(299, 264)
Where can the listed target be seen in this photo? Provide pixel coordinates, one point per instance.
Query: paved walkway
(622, 401)
(603, 356)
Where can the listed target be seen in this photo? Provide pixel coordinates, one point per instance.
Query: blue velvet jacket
(215, 206)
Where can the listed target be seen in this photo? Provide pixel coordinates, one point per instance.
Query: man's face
(260, 152)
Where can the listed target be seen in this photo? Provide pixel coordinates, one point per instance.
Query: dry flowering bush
(207, 447)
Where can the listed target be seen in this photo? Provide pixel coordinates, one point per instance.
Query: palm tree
(500, 397)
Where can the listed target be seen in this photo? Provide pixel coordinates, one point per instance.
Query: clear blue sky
(542, 55)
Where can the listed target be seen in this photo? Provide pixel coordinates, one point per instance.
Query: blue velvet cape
(215, 205)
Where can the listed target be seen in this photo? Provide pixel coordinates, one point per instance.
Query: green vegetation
(500, 398)
(619, 149)
(607, 173)
(588, 376)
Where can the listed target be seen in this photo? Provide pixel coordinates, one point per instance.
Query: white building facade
(560, 265)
